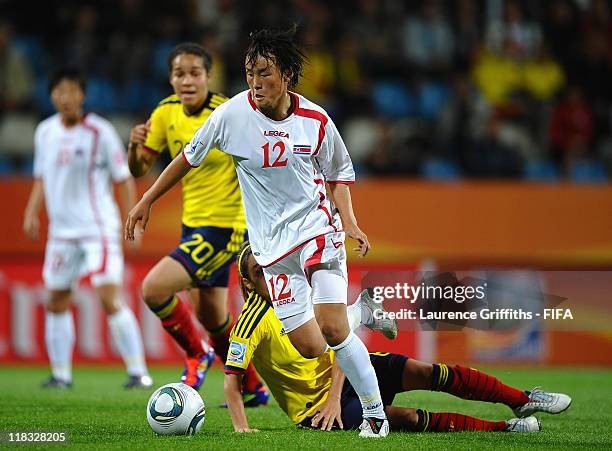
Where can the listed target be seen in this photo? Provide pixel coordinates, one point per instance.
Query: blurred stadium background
(481, 132)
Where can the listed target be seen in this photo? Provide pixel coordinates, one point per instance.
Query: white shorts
(68, 260)
(288, 283)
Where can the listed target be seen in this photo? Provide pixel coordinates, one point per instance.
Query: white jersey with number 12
(282, 168)
(77, 165)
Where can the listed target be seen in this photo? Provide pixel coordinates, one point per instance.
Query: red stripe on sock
(456, 422)
(469, 383)
(180, 325)
(220, 340)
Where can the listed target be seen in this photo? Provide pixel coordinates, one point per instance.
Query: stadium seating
(440, 169)
(541, 171)
(585, 171)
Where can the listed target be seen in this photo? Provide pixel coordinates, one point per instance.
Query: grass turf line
(99, 414)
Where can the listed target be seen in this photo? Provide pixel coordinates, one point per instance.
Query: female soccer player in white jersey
(286, 149)
(76, 158)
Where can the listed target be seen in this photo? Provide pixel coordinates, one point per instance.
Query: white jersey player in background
(285, 149)
(76, 159)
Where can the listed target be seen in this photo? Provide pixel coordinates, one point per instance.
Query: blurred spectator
(16, 81)
(82, 47)
(427, 38)
(381, 160)
(467, 33)
(438, 82)
(598, 19)
(372, 27)
(543, 77)
(497, 74)
(352, 86)
(592, 70)
(490, 156)
(571, 129)
(523, 35)
(455, 129)
(320, 72)
(211, 42)
(561, 30)
(398, 150)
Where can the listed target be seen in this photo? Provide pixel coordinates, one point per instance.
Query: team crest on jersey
(302, 149)
(236, 352)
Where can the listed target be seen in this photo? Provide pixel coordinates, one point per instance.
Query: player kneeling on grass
(315, 393)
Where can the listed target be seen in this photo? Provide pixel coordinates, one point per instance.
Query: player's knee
(59, 303)
(310, 350)
(110, 306)
(57, 307)
(153, 293)
(333, 331)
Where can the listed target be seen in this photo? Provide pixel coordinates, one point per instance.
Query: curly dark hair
(190, 48)
(278, 46)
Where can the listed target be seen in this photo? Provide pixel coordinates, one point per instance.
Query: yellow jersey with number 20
(211, 195)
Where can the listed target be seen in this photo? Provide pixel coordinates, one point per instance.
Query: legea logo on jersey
(284, 302)
(302, 149)
(277, 133)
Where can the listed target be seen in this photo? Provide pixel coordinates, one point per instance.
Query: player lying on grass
(315, 393)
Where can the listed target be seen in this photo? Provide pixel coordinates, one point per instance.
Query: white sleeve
(115, 155)
(38, 154)
(333, 157)
(207, 137)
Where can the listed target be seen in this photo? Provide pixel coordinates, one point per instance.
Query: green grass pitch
(98, 413)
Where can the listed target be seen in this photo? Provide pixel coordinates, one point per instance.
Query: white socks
(353, 312)
(353, 358)
(59, 338)
(126, 335)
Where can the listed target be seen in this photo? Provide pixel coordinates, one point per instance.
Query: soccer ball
(175, 409)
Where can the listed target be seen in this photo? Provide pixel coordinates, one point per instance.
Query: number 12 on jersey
(281, 281)
(278, 149)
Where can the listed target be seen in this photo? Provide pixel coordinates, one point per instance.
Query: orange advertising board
(410, 221)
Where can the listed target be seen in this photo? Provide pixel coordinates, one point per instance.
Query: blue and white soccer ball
(175, 409)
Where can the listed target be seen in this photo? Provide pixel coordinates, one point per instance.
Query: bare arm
(338, 378)
(127, 195)
(174, 172)
(139, 160)
(233, 397)
(342, 198)
(31, 219)
(331, 411)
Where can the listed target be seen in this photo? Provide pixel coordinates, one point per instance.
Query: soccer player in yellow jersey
(315, 393)
(213, 221)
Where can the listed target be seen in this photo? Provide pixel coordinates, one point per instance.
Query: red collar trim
(294, 98)
(251, 101)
